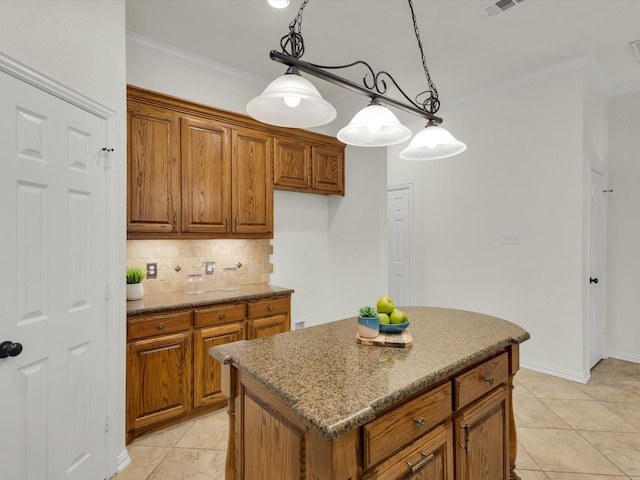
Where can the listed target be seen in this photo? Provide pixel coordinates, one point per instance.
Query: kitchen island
(316, 404)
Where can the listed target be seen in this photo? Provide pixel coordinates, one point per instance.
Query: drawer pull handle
(419, 422)
(489, 380)
(270, 308)
(161, 326)
(222, 315)
(420, 465)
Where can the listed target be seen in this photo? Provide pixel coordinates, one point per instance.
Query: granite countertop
(334, 384)
(160, 302)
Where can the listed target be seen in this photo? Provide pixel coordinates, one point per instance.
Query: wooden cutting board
(398, 340)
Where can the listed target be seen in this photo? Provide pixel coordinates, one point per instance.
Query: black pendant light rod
(316, 71)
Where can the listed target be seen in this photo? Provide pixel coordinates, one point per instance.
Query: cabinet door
(291, 165)
(252, 203)
(327, 169)
(158, 379)
(206, 369)
(428, 458)
(206, 176)
(153, 169)
(482, 436)
(265, 327)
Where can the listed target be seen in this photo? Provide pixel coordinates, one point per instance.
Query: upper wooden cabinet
(194, 171)
(304, 167)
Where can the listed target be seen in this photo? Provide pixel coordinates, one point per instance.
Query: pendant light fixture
(292, 101)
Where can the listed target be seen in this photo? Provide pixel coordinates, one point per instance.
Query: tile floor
(566, 431)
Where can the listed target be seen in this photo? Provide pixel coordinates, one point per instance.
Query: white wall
(623, 280)
(81, 45)
(522, 172)
(329, 249)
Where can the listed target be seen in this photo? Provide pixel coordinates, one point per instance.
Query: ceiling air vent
(635, 46)
(501, 6)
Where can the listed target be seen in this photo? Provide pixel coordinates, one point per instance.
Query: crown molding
(169, 52)
(627, 88)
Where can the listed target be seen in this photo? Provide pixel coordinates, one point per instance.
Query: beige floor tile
(190, 464)
(617, 368)
(583, 476)
(623, 449)
(144, 460)
(532, 475)
(564, 451)
(533, 412)
(629, 411)
(553, 387)
(166, 437)
(589, 415)
(209, 431)
(524, 460)
(610, 389)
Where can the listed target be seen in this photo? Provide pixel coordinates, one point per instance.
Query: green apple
(384, 318)
(385, 305)
(398, 316)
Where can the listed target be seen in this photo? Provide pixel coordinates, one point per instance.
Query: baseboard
(123, 460)
(629, 357)
(580, 377)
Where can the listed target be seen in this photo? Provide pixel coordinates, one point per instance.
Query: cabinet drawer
(268, 307)
(430, 457)
(480, 380)
(219, 315)
(405, 423)
(152, 325)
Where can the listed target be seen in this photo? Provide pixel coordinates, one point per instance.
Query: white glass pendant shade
(279, 3)
(374, 126)
(431, 143)
(291, 101)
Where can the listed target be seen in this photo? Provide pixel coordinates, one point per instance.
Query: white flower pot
(135, 291)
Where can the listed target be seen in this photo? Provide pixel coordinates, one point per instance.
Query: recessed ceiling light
(279, 3)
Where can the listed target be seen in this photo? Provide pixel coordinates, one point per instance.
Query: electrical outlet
(152, 270)
(510, 238)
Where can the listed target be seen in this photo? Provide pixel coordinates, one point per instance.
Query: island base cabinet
(482, 438)
(429, 458)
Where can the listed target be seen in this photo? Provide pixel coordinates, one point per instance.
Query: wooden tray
(398, 340)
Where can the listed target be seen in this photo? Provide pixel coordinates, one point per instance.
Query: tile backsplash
(177, 259)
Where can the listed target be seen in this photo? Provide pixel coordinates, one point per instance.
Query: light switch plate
(510, 238)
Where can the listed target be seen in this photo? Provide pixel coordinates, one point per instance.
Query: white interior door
(596, 269)
(400, 232)
(53, 264)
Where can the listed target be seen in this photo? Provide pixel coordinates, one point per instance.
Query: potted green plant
(368, 322)
(135, 289)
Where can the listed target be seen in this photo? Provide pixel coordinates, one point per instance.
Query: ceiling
(465, 50)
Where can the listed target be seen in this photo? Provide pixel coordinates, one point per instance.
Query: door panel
(400, 228)
(596, 268)
(53, 193)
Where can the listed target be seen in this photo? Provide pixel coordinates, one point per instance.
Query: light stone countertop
(334, 384)
(160, 302)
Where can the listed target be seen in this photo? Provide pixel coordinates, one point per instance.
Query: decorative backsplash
(177, 259)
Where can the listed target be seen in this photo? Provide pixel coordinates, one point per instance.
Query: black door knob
(593, 280)
(10, 349)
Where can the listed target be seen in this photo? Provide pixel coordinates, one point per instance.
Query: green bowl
(393, 327)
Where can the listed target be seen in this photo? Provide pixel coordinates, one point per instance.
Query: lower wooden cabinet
(482, 433)
(170, 374)
(457, 430)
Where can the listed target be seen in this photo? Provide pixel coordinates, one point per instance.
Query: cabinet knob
(222, 315)
(489, 380)
(419, 422)
(270, 308)
(161, 326)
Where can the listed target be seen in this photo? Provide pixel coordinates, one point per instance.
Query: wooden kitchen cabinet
(252, 188)
(268, 317)
(194, 171)
(206, 176)
(158, 379)
(170, 374)
(302, 167)
(153, 169)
